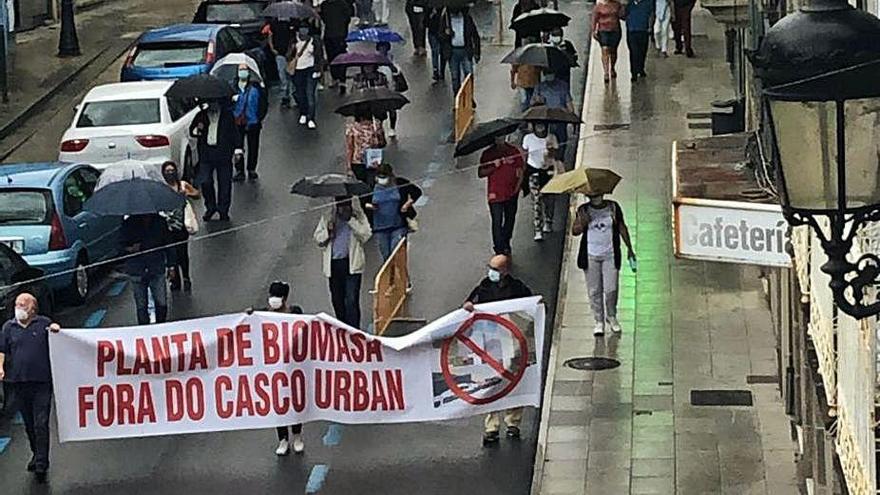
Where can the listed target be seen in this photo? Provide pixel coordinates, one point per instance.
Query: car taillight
(74, 145)
(57, 240)
(152, 141)
(209, 56)
(129, 60)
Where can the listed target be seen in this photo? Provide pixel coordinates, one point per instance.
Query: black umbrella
(134, 197)
(454, 4)
(289, 10)
(539, 55)
(329, 185)
(543, 19)
(483, 135)
(202, 86)
(543, 113)
(376, 100)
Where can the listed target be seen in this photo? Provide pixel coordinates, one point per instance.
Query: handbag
(190, 220)
(400, 84)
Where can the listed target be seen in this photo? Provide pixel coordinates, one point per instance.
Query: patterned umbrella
(375, 35)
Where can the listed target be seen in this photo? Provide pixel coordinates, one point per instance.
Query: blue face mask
(494, 275)
(243, 74)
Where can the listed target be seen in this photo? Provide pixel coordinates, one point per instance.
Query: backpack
(263, 107)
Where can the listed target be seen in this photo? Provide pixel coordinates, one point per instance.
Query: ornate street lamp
(820, 69)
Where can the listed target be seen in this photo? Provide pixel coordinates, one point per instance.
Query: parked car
(246, 17)
(131, 121)
(42, 218)
(15, 270)
(181, 50)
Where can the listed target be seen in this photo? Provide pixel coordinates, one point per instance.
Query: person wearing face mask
(247, 118)
(556, 39)
(499, 285)
(541, 148)
(390, 208)
(341, 234)
(216, 135)
(502, 165)
(27, 373)
(304, 64)
(601, 224)
(279, 295)
(181, 224)
(553, 92)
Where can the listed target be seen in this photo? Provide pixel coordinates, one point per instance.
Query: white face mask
(383, 181)
(494, 275)
(556, 40)
(21, 315)
(275, 302)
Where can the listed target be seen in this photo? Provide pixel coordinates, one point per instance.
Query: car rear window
(233, 12)
(119, 112)
(170, 54)
(24, 207)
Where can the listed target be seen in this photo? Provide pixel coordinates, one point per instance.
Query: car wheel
(79, 285)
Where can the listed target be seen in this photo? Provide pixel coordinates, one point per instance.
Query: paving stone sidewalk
(687, 324)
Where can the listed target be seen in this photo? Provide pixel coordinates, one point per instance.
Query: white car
(131, 121)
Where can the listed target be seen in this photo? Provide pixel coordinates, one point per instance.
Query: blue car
(181, 50)
(42, 218)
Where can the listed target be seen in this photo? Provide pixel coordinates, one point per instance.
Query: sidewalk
(687, 325)
(105, 32)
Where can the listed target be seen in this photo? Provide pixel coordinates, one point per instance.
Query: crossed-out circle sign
(513, 377)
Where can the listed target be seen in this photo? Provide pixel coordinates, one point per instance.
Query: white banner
(263, 370)
(755, 236)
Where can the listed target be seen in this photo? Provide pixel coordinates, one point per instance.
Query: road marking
(94, 320)
(333, 435)
(427, 183)
(4, 441)
(116, 288)
(316, 478)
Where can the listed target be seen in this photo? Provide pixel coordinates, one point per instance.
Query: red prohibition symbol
(513, 377)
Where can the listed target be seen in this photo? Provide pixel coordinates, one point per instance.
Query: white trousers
(601, 276)
(662, 20)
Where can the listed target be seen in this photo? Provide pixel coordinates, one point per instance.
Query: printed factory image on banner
(240, 371)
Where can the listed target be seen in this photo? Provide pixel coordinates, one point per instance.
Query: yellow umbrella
(589, 181)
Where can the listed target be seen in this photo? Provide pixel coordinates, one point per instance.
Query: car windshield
(233, 12)
(119, 112)
(170, 54)
(23, 207)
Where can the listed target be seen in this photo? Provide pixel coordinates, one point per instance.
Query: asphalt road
(270, 238)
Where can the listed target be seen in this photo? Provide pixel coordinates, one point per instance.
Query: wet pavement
(270, 238)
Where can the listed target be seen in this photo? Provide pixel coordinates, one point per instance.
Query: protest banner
(263, 370)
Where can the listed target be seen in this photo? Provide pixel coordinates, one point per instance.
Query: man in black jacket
(216, 133)
(498, 285)
(336, 16)
(460, 42)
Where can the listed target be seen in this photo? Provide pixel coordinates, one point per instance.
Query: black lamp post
(68, 42)
(820, 69)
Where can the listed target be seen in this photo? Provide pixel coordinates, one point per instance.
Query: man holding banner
(25, 367)
(499, 285)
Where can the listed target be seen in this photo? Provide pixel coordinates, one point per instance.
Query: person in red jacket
(503, 165)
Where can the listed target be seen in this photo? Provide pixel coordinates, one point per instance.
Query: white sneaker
(548, 227)
(312, 124)
(302, 120)
(599, 329)
(539, 236)
(283, 448)
(298, 445)
(614, 324)
(391, 133)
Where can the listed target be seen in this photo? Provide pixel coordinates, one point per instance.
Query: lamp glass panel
(862, 151)
(806, 139)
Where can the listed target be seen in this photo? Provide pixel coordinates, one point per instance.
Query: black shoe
(490, 437)
(643, 74)
(238, 177)
(342, 90)
(285, 102)
(678, 51)
(32, 465)
(513, 432)
(690, 54)
(634, 78)
(175, 286)
(252, 176)
(209, 215)
(41, 475)
(187, 285)
(224, 217)
(436, 75)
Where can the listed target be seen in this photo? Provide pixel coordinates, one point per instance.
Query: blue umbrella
(375, 35)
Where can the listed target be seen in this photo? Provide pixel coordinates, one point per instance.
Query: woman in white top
(541, 147)
(306, 58)
(662, 19)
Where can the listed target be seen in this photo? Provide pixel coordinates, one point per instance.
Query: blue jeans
(305, 91)
(437, 62)
(460, 65)
(388, 239)
(284, 83)
(525, 98)
(154, 280)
